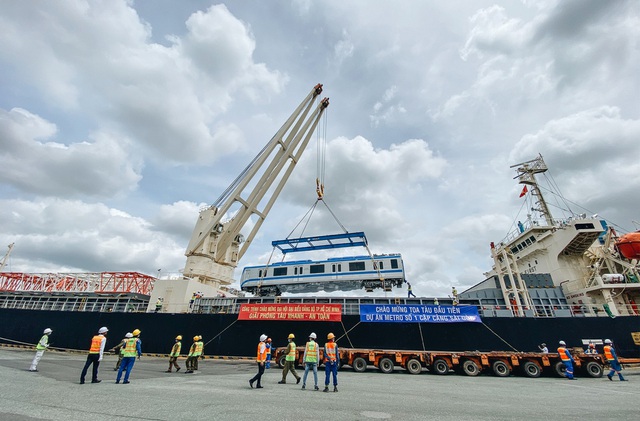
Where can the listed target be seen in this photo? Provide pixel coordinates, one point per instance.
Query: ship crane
(3, 263)
(216, 244)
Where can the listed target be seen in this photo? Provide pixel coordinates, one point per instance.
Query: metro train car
(332, 274)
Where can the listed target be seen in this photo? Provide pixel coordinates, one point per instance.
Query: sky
(120, 120)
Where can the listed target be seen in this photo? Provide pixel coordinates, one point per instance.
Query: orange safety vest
(330, 351)
(261, 355)
(96, 342)
(562, 351)
(607, 353)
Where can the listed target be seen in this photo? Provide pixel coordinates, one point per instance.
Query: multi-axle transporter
(471, 363)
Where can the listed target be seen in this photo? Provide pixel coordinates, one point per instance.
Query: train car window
(295, 271)
(381, 265)
(260, 273)
(316, 268)
(394, 263)
(354, 266)
(339, 267)
(279, 271)
(333, 268)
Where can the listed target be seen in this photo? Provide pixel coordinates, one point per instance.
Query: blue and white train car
(333, 274)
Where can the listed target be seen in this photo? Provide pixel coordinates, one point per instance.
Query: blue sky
(119, 120)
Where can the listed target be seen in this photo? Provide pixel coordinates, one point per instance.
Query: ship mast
(526, 175)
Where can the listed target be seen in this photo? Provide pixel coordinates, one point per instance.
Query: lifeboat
(629, 245)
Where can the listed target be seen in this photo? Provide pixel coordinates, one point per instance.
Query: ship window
(584, 226)
(533, 239)
(519, 247)
(514, 250)
(316, 269)
(394, 263)
(528, 242)
(279, 271)
(354, 266)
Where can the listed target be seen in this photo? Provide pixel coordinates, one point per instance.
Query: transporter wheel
(386, 365)
(414, 366)
(359, 365)
(281, 360)
(501, 369)
(560, 369)
(531, 369)
(594, 369)
(440, 366)
(470, 368)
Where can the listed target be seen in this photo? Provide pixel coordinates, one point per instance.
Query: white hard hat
(47, 330)
(103, 329)
(607, 341)
(563, 343)
(263, 337)
(129, 335)
(312, 335)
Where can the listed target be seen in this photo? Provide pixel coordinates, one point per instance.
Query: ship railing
(552, 311)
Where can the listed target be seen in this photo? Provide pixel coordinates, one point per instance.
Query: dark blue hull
(224, 335)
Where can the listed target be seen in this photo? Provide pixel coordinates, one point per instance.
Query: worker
(119, 349)
(612, 357)
(174, 354)
(96, 351)
(267, 364)
(410, 291)
(158, 305)
(261, 358)
(454, 294)
(310, 358)
(41, 346)
(199, 351)
(543, 348)
(331, 361)
(192, 356)
(436, 302)
(290, 360)
(132, 348)
(591, 349)
(566, 358)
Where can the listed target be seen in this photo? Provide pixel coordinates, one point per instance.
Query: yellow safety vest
(291, 354)
(45, 339)
(175, 351)
(312, 355)
(130, 348)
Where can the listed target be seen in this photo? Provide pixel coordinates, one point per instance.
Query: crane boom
(216, 244)
(4, 260)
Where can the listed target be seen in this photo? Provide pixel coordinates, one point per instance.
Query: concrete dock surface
(220, 391)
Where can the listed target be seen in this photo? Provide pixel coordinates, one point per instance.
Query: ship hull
(224, 335)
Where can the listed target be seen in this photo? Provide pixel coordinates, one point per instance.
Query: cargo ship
(571, 279)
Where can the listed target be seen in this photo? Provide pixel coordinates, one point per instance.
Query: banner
(291, 312)
(387, 313)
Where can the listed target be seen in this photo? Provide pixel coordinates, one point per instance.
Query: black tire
(594, 369)
(501, 369)
(281, 359)
(531, 369)
(560, 369)
(385, 365)
(359, 365)
(470, 368)
(440, 366)
(414, 366)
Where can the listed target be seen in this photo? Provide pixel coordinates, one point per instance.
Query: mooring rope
(346, 332)
(500, 337)
(33, 345)
(421, 337)
(223, 330)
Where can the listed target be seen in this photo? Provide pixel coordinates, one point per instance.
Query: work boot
(316, 388)
(326, 389)
(335, 388)
(282, 382)
(251, 383)
(96, 381)
(298, 380)
(609, 377)
(177, 369)
(303, 387)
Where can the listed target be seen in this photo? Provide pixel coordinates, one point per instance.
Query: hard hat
(607, 341)
(47, 330)
(312, 335)
(291, 336)
(195, 338)
(331, 336)
(103, 330)
(563, 343)
(179, 337)
(543, 344)
(136, 332)
(199, 337)
(129, 335)
(263, 337)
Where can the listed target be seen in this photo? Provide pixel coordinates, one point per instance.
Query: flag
(524, 191)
